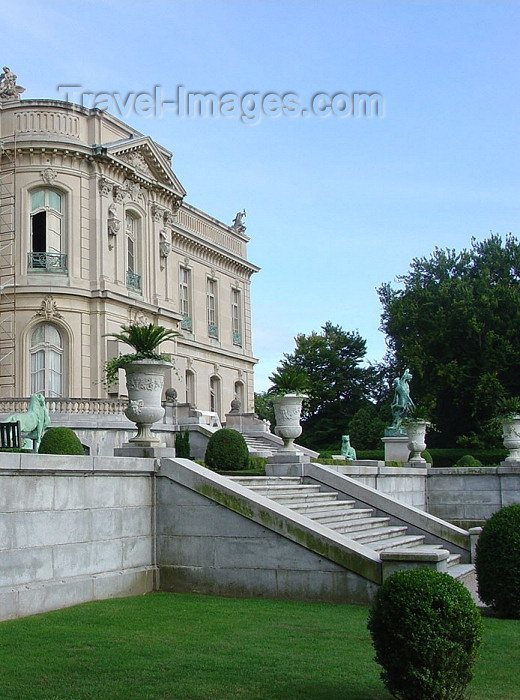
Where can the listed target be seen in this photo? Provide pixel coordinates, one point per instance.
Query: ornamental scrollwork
(144, 383)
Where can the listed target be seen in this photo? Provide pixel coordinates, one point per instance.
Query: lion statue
(34, 421)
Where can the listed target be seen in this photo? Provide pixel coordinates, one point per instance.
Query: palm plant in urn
(145, 369)
(288, 386)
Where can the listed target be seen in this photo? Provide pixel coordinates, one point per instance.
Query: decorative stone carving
(105, 186)
(48, 309)
(144, 382)
(138, 318)
(238, 222)
(133, 189)
(49, 175)
(157, 212)
(176, 204)
(9, 90)
(113, 225)
(165, 247)
(171, 395)
(120, 193)
(236, 405)
(137, 161)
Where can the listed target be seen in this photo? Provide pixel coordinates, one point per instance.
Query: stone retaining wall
(73, 529)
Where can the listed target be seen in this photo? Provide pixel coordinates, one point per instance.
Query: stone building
(95, 233)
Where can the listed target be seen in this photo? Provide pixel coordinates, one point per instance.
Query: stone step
(324, 507)
(266, 480)
(276, 490)
(402, 541)
(379, 534)
(299, 498)
(334, 518)
(360, 524)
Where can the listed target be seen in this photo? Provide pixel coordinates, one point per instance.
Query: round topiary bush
(498, 562)
(468, 461)
(60, 441)
(426, 631)
(427, 456)
(227, 451)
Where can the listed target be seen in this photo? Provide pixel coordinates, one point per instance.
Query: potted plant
(144, 369)
(509, 415)
(288, 386)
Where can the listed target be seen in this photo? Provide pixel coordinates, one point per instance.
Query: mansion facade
(95, 233)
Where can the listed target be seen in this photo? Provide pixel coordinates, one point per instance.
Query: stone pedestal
(286, 463)
(130, 450)
(396, 449)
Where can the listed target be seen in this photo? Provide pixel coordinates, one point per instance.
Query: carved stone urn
(287, 411)
(511, 437)
(416, 432)
(145, 382)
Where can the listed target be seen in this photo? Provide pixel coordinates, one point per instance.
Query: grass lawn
(198, 647)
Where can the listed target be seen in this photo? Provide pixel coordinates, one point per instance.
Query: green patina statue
(346, 448)
(402, 404)
(34, 421)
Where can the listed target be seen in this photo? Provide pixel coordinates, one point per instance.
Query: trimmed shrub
(468, 461)
(427, 456)
(182, 444)
(227, 451)
(498, 562)
(60, 441)
(426, 631)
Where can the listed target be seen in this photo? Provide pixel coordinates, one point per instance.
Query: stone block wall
(73, 529)
(468, 497)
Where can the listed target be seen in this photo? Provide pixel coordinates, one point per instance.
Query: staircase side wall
(222, 547)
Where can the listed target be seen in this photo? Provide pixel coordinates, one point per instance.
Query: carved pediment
(146, 160)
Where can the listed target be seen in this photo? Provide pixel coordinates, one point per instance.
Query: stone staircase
(356, 524)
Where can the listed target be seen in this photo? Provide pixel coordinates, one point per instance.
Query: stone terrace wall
(467, 497)
(73, 529)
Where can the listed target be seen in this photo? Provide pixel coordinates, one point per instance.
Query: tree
(456, 325)
(339, 384)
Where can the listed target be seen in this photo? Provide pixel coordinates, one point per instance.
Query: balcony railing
(47, 262)
(237, 338)
(133, 281)
(213, 330)
(186, 324)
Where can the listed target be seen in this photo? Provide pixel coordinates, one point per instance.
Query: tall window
(185, 298)
(236, 317)
(211, 303)
(46, 350)
(190, 387)
(46, 232)
(214, 395)
(133, 279)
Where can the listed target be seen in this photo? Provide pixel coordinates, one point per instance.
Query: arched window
(46, 351)
(133, 278)
(46, 232)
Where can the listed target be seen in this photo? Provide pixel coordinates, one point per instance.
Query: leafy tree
(456, 324)
(338, 382)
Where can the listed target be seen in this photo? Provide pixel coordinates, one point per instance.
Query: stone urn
(511, 437)
(145, 382)
(287, 411)
(416, 432)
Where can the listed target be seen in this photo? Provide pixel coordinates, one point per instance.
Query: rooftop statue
(238, 221)
(402, 404)
(9, 90)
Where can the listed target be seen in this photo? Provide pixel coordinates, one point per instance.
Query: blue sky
(335, 205)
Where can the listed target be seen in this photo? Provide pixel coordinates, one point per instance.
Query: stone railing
(220, 236)
(105, 407)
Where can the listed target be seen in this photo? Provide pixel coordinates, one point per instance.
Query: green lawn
(198, 647)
